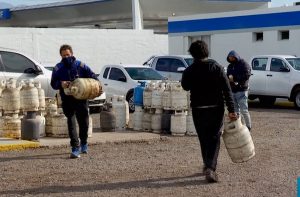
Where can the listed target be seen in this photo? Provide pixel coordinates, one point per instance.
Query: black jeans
(208, 123)
(76, 108)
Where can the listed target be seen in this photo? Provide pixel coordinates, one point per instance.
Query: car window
(137, 73)
(14, 62)
(106, 72)
(176, 63)
(163, 64)
(294, 62)
(116, 74)
(189, 61)
(259, 63)
(277, 65)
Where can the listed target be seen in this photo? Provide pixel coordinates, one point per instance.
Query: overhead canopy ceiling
(118, 13)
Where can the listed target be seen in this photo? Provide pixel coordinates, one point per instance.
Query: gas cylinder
(157, 95)
(147, 95)
(90, 129)
(29, 96)
(238, 141)
(30, 127)
(12, 126)
(147, 117)
(156, 121)
(119, 108)
(11, 97)
(190, 127)
(138, 93)
(166, 97)
(51, 106)
(1, 126)
(107, 118)
(85, 88)
(42, 122)
(41, 95)
(138, 118)
(166, 121)
(178, 97)
(178, 123)
(2, 86)
(59, 126)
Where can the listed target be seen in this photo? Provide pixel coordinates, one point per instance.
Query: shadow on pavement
(195, 179)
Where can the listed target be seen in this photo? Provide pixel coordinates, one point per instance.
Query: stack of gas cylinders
(162, 107)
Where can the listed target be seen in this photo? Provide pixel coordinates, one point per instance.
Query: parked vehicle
(121, 79)
(16, 65)
(275, 76)
(170, 66)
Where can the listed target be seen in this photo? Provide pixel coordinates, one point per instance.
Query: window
(259, 63)
(258, 36)
(17, 63)
(284, 35)
(176, 63)
(106, 72)
(277, 65)
(163, 64)
(116, 74)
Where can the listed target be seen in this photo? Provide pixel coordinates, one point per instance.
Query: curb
(19, 145)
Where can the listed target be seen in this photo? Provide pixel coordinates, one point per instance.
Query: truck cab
(275, 76)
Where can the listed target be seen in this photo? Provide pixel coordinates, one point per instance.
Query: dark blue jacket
(62, 72)
(241, 72)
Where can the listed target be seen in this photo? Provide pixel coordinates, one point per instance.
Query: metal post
(136, 15)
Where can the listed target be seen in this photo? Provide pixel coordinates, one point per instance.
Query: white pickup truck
(275, 76)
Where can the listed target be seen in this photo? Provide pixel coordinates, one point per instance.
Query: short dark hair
(65, 47)
(199, 49)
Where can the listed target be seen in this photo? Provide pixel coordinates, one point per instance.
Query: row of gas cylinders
(34, 125)
(27, 96)
(167, 95)
(176, 122)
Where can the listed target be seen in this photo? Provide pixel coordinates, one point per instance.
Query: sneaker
(75, 153)
(211, 176)
(84, 148)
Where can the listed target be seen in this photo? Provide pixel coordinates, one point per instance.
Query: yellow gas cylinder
(84, 88)
(238, 141)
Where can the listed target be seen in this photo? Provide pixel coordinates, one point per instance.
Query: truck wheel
(129, 99)
(297, 100)
(267, 101)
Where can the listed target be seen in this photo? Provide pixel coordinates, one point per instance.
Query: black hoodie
(208, 84)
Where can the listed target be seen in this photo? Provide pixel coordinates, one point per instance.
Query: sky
(3, 3)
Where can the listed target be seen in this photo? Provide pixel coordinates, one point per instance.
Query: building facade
(251, 32)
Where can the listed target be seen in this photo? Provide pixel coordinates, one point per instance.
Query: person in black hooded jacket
(239, 72)
(209, 88)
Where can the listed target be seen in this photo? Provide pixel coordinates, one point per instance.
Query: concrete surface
(7, 144)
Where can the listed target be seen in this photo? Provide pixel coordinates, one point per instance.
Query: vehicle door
(19, 67)
(278, 78)
(117, 82)
(168, 68)
(258, 79)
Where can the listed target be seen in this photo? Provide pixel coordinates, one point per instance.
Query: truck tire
(297, 99)
(129, 99)
(267, 101)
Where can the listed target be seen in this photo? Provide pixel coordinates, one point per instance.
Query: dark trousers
(208, 123)
(76, 108)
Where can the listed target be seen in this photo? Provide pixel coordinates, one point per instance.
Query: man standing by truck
(238, 73)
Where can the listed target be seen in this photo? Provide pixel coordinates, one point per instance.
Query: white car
(121, 79)
(275, 76)
(21, 67)
(170, 66)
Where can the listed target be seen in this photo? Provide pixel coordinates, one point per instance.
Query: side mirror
(284, 69)
(123, 79)
(30, 71)
(180, 69)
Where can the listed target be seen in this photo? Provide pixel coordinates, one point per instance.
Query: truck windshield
(189, 61)
(294, 62)
(137, 73)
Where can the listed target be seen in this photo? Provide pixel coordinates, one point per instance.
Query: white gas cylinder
(178, 123)
(238, 141)
(138, 118)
